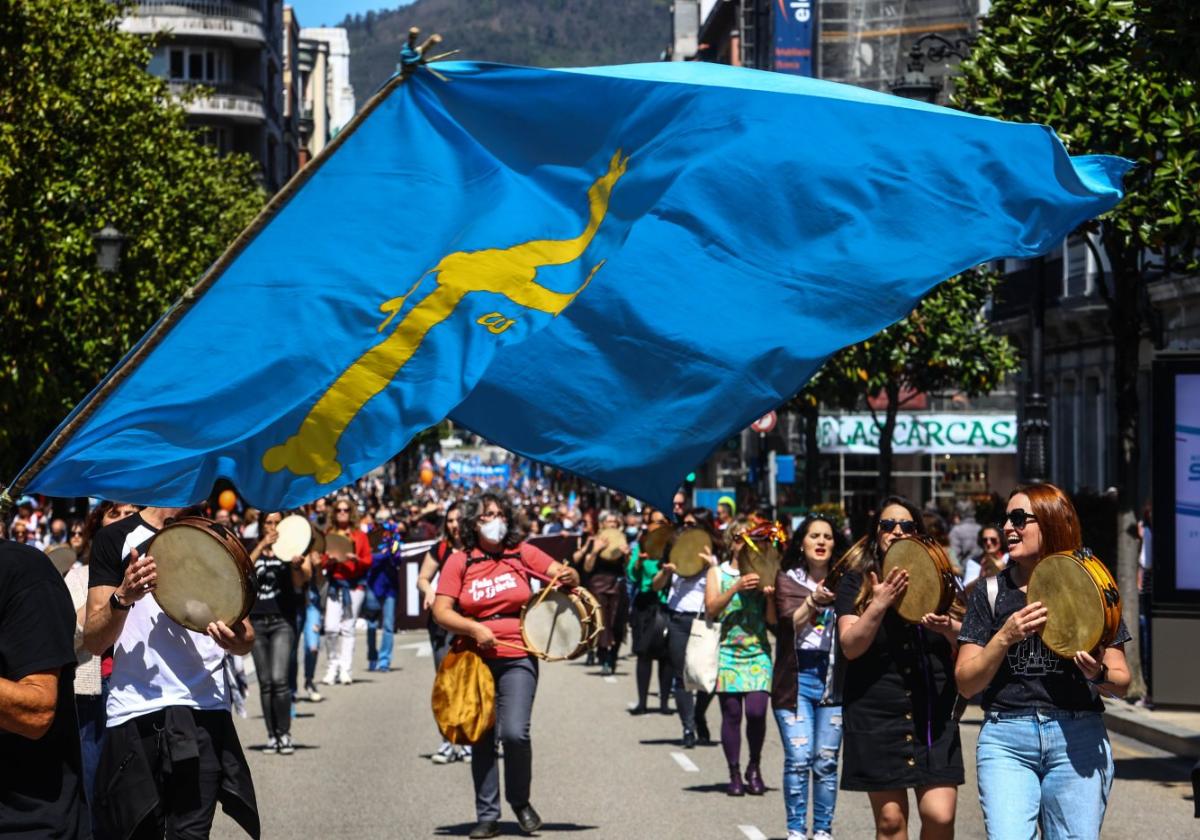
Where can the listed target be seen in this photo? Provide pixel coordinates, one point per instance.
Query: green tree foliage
(88, 137)
(1115, 77)
(945, 344)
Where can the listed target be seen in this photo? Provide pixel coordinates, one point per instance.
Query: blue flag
(610, 270)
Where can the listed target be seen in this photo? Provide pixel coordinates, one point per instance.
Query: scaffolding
(864, 42)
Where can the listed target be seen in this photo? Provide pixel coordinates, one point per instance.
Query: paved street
(362, 770)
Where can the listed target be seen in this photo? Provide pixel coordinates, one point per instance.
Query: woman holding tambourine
(1043, 754)
(899, 694)
(480, 593)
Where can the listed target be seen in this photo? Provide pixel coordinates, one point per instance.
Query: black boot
(527, 818)
(485, 828)
(735, 787)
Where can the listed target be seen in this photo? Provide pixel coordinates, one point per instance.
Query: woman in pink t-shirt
(480, 593)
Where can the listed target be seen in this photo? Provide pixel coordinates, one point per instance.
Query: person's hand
(1023, 623)
(941, 624)
(708, 557)
(141, 577)
(667, 567)
(891, 590)
(224, 636)
(483, 636)
(748, 581)
(627, 551)
(569, 576)
(822, 597)
(768, 591)
(269, 539)
(599, 543)
(427, 602)
(1088, 664)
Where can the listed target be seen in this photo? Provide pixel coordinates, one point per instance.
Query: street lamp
(109, 241)
(1035, 425)
(930, 47)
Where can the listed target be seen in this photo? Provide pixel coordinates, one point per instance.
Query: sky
(331, 12)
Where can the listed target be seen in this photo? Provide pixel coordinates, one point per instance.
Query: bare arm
(977, 665)
(238, 640)
(1116, 681)
(28, 705)
(429, 568)
(857, 632)
(662, 578)
(103, 624)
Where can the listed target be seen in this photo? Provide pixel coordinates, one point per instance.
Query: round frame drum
(930, 577)
(615, 543)
(204, 574)
(339, 547)
(654, 543)
(62, 556)
(765, 562)
(559, 625)
(1083, 604)
(295, 536)
(685, 554)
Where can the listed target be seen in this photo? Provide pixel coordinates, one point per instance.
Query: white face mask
(631, 531)
(494, 530)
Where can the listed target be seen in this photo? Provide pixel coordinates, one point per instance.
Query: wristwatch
(1102, 677)
(115, 602)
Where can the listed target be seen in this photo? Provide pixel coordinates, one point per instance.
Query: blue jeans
(812, 738)
(380, 658)
(1055, 767)
(313, 619)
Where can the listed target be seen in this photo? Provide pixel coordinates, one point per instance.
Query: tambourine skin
(616, 543)
(930, 577)
(557, 625)
(654, 543)
(295, 536)
(204, 574)
(765, 562)
(1083, 604)
(685, 553)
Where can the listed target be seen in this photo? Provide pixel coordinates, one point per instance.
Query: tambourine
(686, 557)
(654, 543)
(615, 543)
(931, 583)
(764, 554)
(62, 556)
(204, 574)
(295, 536)
(561, 624)
(1083, 604)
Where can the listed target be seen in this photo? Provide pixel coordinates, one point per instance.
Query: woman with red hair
(1043, 753)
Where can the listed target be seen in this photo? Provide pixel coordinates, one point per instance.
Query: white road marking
(752, 832)
(685, 763)
(610, 679)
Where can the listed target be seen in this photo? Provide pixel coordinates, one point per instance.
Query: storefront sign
(927, 434)
(465, 472)
(1187, 481)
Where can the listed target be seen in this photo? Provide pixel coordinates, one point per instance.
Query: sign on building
(795, 26)
(923, 434)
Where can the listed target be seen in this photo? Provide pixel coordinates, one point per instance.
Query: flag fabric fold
(610, 270)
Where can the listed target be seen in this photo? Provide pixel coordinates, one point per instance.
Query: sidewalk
(1175, 731)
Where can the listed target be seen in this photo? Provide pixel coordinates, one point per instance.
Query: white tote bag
(700, 661)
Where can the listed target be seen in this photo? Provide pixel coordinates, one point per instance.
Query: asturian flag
(610, 270)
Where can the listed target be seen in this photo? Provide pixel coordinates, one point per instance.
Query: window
(198, 64)
(1077, 268)
(215, 136)
(176, 63)
(1065, 456)
(1092, 432)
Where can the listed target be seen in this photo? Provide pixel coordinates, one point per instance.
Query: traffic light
(691, 478)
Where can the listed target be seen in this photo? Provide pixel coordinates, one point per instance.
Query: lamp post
(109, 242)
(915, 83)
(1035, 425)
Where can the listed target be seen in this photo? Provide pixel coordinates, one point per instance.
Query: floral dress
(743, 662)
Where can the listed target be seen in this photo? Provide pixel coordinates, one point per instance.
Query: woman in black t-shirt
(898, 695)
(280, 580)
(1043, 754)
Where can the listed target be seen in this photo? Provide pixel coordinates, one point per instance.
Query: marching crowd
(863, 700)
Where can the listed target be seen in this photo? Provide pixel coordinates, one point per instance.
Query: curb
(1140, 725)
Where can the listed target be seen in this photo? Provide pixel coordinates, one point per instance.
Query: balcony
(233, 101)
(233, 22)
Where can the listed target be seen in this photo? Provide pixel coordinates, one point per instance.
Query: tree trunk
(885, 439)
(1126, 340)
(812, 454)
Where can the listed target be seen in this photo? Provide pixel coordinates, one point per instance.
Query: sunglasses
(907, 526)
(341, 510)
(77, 533)
(991, 540)
(1019, 518)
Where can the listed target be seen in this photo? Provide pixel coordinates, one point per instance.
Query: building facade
(340, 95)
(232, 50)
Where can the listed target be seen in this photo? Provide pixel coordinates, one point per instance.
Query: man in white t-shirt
(171, 751)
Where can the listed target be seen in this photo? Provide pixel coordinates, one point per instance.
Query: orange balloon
(227, 500)
(427, 476)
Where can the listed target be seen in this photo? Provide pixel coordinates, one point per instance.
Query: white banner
(925, 434)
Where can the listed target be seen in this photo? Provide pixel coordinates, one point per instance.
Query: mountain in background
(537, 33)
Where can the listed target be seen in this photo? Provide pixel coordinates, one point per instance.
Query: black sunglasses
(341, 510)
(907, 526)
(1018, 517)
(995, 540)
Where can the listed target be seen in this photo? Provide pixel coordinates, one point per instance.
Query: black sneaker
(639, 709)
(485, 828)
(689, 739)
(527, 818)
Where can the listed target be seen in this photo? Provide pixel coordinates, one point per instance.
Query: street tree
(88, 137)
(1114, 77)
(945, 344)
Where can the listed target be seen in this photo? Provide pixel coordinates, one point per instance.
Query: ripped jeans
(812, 738)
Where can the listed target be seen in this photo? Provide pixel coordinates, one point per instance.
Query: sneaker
(272, 744)
(822, 835)
(445, 754)
(344, 678)
(330, 677)
(285, 744)
(796, 835)
(466, 754)
(314, 696)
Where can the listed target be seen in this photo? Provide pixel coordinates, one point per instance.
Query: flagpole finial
(412, 56)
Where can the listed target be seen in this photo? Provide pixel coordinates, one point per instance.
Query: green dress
(743, 660)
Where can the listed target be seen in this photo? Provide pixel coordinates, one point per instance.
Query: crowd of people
(863, 700)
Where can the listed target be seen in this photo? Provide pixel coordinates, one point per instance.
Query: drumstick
(521, 647)
(546, 589)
